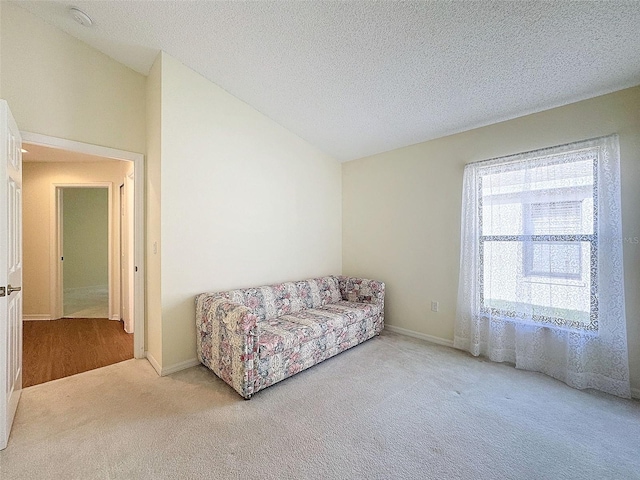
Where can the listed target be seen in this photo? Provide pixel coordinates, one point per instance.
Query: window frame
(592, 239)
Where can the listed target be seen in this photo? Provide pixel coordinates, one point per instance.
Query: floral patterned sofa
(255, 337)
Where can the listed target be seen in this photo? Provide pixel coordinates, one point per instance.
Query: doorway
(85, 237)
(85, 330)
(66, 150)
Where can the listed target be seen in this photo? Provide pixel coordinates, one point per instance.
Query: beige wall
(244, 202)
(57, 85)
(37, 183)
(401, 209)
(153, 291)
(85, 232)
(1, 50)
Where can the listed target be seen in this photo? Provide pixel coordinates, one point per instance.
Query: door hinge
(3, 291)
(136, 268)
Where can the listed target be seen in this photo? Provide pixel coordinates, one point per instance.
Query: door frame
(56, 264)
(138, 160)
(121, 263)
(129, 243)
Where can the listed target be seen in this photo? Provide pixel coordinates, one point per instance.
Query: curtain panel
(541, 277)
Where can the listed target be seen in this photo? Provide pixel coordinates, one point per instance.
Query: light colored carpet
(393, 407)
(86, 302)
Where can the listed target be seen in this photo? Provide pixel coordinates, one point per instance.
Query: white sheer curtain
(541, 280)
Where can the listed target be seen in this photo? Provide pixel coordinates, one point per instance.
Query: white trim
(138, 257)
(635, 393)
(154, 363)
(163, 372)
(79, 147)
(176, 367)
(421, 336)
(138, 217)
(55, 251)
(129, 282)
(36, 317)
(115, 317)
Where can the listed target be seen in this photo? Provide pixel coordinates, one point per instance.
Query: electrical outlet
(435, 306)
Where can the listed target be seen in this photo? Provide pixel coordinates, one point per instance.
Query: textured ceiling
(358, 78)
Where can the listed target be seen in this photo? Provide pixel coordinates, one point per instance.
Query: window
(537, 245)
(541, 280)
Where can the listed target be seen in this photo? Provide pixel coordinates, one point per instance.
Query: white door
(10, 271)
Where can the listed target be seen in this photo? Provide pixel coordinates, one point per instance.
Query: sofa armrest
(362, 290)
(236, 318)
(227, 341)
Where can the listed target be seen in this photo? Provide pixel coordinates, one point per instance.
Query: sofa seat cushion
(353, 311)
(280, 365)
(287, 331)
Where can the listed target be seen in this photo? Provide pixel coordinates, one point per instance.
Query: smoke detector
(80, 17)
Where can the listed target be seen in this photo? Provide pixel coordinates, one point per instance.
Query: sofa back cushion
(272, 301)
(317, 292)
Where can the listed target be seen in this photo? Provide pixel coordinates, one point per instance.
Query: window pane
(559, 300)
(553, 259)
(554, 218)
(502, 219)
(557, 197)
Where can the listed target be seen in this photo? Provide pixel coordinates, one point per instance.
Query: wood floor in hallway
(60, 348)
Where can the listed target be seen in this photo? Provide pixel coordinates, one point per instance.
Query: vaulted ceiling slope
(357, 78)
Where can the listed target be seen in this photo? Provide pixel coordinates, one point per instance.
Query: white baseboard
(36, 317)
(422, 336)
(115, 317)
(180, 366)
(154, 363)
(171, 368)
(635, 393)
